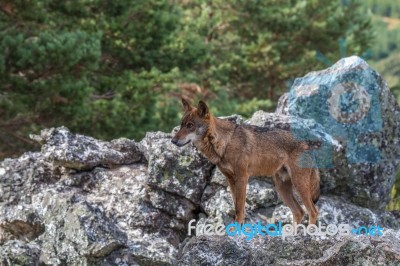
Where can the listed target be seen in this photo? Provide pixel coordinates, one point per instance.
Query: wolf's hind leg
(301, 181)
(284, 188)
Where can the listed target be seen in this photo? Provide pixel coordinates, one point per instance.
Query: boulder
(107, 204)
(22, 177)
(354, 105)
(180, 171)
(80, 152)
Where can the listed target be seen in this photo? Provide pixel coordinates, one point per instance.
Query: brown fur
(241, 151)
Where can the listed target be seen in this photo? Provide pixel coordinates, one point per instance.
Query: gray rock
(369, 131)
(20, 223)
(204, 250)
(218, 178)
(261, 193)
(217, 202)
(76, 231)
(81, 152)
(238, 119)
(267, 250)
(99, 215)
(144, 214)
(179, 170)
(336, 210)
(20, 178)
(19, 253)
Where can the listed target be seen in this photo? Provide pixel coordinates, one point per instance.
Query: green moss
(21, 260)
(185, 160)
(394, 203)
(180, 177)
(165, 175)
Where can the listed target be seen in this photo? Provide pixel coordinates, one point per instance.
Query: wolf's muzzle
(176, 142)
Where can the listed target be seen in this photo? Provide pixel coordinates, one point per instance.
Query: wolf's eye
(189, 125)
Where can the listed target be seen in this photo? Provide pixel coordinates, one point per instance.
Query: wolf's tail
(315, 185)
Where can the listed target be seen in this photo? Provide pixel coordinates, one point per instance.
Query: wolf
(241, 151)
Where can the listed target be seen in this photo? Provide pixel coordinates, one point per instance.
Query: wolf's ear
(186, 105)
(202, 109)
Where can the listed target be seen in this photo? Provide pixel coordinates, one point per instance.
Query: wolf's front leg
(240, 198)
(231, 183)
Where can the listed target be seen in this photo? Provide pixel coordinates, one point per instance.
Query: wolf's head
(194, 124)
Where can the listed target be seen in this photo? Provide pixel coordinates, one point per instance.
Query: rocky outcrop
(138, 213)
(82, 201)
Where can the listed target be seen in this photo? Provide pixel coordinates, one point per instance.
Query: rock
(20, 178)
(81, 152)
(100, 214)
(20, 223)
(153, 220)
(355, 106)
(218, 202)
(336, 210)
(218, 178)
(238, 119)
(18, 253)
(268, 250)
(214, 251)
(76, 231)
(261, 193)
(179, 170)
